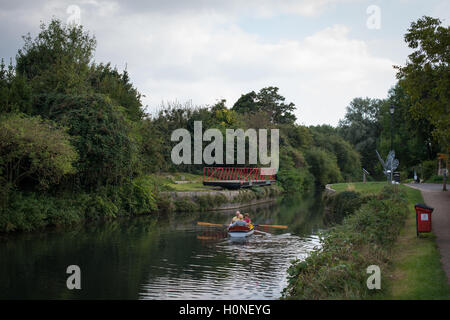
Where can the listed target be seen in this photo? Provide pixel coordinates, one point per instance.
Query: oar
(262, 232)
(256, 225)
(210, 224)
(271, 226)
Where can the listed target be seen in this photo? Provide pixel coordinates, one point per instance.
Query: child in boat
(247, 218)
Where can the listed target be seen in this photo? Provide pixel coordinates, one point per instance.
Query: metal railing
(235, 174)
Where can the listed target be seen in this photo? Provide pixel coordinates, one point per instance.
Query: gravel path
(440, 201)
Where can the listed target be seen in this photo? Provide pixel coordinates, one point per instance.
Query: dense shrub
(207, 201)
(186, 205)
(347, 158)
(101, 208)
(30, 211)
(245, 195)
(100, 134)
(340, 205)
(26, 211)
(338, 269)
(323, 166)
(165, 203)
(435, 179)
(295, 180)
(34, 150)
(429, 168)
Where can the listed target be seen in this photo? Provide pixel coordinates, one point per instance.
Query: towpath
(440, 201)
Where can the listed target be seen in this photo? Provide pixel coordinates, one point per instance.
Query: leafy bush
(347, 158)
(340, 205)
(186, 205)
(165, 203)
(34, 210)
(100, 134)
(429, 168)
(337, 269)
(436, 179)
(323, 166)
(210, 201)
(245, 195)
(101, 208)
(31, 211)
(35, 150)
(295, 180)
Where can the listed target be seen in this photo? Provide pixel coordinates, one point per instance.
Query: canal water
(163, 256)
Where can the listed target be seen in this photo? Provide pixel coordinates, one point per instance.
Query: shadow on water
(163, 256)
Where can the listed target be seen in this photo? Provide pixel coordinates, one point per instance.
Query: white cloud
(299, 7)
(204, 55)
(203, 58)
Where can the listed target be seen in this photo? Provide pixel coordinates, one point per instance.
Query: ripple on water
(252, 269)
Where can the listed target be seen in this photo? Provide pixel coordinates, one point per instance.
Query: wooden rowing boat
(240, 231)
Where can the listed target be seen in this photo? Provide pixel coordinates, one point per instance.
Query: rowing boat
(240, 231)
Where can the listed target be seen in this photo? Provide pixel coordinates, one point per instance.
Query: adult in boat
(237, 217)
(247, 218)
(237, 220)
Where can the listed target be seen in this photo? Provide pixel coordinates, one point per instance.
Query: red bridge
(235, 178)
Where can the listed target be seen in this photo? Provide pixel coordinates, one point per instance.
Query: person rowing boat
(240, 227)
(237, 217)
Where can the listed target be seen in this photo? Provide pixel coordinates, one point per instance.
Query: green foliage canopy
(35, 150)
(100, 133)
(57, 60)
(426, 75)
(361, 127)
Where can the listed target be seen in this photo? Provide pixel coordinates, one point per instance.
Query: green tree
(246, 103)
(117, 86)
(294, 135)
(101, 134)
(362, 129)
(323, 165)
(15, 92)
(293, 173)
(348, 160)
(412, 139)
(57, 60)
(153, 147)
(426, 75)
(271, 102)
(268, 101)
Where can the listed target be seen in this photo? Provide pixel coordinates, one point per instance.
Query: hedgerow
(337, 270)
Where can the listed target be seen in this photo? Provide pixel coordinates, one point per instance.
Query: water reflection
(163, 257)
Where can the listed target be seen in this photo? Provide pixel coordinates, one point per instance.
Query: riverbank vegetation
(195, 201)
(378, 228)
(338, 269)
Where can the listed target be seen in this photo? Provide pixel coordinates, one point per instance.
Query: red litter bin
(423, 218)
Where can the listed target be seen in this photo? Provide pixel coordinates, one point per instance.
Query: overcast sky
(320, 53)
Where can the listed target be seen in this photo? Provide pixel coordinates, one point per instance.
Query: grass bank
(414, 270)
(338, 270)
(373, 187)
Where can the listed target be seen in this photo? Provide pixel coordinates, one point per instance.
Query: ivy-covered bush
(35, 151)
